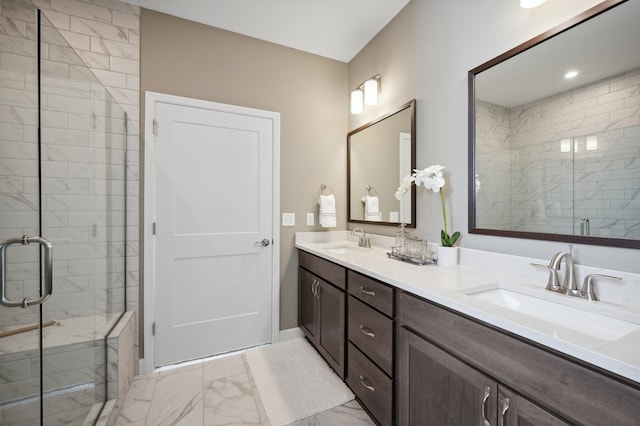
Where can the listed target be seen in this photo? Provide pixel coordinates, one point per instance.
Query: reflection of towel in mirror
(327, 214)
(372, 208)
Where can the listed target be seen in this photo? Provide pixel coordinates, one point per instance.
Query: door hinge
(153, 228)
(155, 126)
(153, 329)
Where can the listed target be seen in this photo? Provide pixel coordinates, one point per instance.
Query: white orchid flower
(432, 179)
(433, 183)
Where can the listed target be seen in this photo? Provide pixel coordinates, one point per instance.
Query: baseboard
(284, 335)
(290, 333)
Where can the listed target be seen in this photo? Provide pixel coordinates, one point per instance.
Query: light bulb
(356, 101)
(371, 92)
(571, 74)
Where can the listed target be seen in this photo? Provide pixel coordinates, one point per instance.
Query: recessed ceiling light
(571, 74)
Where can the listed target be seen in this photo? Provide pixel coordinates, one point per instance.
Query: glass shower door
(83, 135)
(20, 327)
(63, 178)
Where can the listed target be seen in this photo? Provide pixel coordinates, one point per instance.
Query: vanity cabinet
(321, 307)
(370, 349)
(458, 371)
(445, 390)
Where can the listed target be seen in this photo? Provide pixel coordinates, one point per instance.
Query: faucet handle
(588, 290)
(553, 283)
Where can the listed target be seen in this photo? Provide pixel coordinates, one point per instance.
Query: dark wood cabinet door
(331, 333)
(307, 316)
(435, 388)
(515, 410)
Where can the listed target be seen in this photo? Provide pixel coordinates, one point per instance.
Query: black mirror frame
(412, 105)
(577, 239)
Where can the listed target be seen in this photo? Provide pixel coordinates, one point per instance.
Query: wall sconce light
(366, 93)
(530, 4)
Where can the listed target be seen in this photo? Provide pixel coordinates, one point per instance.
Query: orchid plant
(432, 179)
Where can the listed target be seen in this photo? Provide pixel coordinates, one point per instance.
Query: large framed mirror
(379, 155)
(554, 133)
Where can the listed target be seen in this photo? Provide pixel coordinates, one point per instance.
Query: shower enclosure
(62, 225)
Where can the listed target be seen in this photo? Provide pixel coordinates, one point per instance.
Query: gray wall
(183, 58)
(425, 53)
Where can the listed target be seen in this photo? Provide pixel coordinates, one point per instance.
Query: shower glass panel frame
(62, 177)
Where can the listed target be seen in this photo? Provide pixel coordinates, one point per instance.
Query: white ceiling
(336, 29)
(603, 47)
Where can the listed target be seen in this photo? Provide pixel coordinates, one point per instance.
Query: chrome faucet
(363, 241)
(568, 285)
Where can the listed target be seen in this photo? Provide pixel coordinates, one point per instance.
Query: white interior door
(213, 243)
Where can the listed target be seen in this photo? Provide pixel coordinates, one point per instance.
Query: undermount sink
(594, 319)
(342, 247)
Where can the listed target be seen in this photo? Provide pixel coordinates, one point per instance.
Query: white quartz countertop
(446, 286)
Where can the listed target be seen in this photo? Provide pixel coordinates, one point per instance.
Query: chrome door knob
(263, 243)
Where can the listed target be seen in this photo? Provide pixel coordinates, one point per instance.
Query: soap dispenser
(401, 240)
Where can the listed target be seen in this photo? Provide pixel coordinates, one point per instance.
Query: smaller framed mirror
(379, 155)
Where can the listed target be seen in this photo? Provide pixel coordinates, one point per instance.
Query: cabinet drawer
(372, 292)
(334, 274)
(372, 333)
(371, 385)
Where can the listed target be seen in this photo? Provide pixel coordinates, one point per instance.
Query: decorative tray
(416, 260)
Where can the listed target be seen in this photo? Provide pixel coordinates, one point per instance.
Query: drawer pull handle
(487, 392)
(367, 291)
(505, 408)
(364, 383)
(366, 331)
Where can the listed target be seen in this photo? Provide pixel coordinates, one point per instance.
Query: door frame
(148, 287)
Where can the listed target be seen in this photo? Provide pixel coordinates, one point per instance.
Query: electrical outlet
(288, 219)
(311, 219)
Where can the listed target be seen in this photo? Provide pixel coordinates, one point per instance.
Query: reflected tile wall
(575, 156)
(494, 163)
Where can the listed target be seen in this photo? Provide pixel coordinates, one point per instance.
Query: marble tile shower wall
(494, 192)
(577, 155)
(84, 152)
(106, 35)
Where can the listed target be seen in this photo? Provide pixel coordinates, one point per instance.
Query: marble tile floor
(212, 392)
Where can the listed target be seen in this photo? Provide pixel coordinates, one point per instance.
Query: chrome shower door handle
(47, 259)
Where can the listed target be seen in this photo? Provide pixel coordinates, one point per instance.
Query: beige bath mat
(294, 382)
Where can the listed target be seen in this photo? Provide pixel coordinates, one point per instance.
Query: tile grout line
(262, 414)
